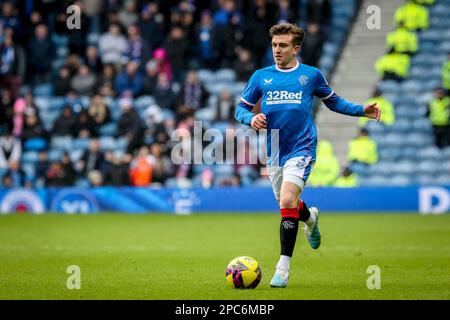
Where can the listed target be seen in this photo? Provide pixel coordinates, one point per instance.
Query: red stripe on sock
(300, 205)
(289, 213)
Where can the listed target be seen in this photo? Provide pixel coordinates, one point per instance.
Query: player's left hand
(372, 111)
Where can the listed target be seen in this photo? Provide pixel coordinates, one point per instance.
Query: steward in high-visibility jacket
(402, 41)
(363, 149)
(386, 108)
(347, 179)
(394, 66)
(326, 169)
(439, 115)
(413, 15)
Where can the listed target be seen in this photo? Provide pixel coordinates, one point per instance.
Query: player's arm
(340, 105)
(250, 97)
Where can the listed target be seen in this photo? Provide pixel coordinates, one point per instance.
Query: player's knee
(288, 200)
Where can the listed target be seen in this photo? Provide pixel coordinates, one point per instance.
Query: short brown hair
(288, 28)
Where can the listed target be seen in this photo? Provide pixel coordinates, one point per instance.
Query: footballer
(286, 90)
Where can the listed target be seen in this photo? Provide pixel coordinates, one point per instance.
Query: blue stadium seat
(418, 73)
(428, 167)
(443, 179)
(419, 139)
(390, 154)
(400, 180)
(82, 183)
(43, 90)
(48, 119)
(404, 167)
(375, 127)
(29, 169)
(236, 88)
(376, 180)
(428, 47)
(223, 169)
(429, 35)
(56, 103)
(92, 38)
(381, 168)
(35, 144)
(198, 169)
(410, 153)
(422, 125)
(445, 165)
(81, 143)
(55, 155)
(389, 86)
(121, 144)
(262, 182)
(57, 64)
(62, 52)
(61, 143)
(422, 60)
(144, 101)
(409, 112)
(168, 114)
(402, 125)
(444, 47)
(205, 114)
(75, 154)
(393, 140)
(205, 75)
(446, 153)
(224, 75)
(30, 157)
(330, 49)
(222, 125)
(107, 143)
(425, 179)
(431, 85)
(430, 153)
(248, 172)
(60, 40)
(108, 129)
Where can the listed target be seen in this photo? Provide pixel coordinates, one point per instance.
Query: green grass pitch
(159, 256)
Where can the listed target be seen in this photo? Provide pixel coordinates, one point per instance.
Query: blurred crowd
(123, 50)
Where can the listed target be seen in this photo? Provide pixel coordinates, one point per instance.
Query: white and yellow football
(243, 273)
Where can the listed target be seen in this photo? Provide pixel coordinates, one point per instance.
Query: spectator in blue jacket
(129, 80)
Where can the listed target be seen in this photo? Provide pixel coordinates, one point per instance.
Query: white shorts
(295, 170)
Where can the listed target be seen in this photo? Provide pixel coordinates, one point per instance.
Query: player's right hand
(259, 121)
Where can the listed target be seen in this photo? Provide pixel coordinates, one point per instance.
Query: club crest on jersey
(268, 81)
(303, 80)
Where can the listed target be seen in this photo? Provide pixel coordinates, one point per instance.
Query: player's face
(284, 51)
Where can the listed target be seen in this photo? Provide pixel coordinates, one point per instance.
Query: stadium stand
(75, 82)
(408, 154)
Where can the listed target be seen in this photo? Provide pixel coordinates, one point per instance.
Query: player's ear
(297, 49)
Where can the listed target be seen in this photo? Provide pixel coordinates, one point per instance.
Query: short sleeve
(252, 91)
(322, 89)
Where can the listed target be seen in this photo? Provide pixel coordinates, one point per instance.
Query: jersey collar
(290, 69)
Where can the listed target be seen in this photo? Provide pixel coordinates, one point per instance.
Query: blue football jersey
(287, 101)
